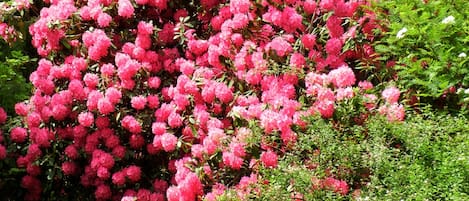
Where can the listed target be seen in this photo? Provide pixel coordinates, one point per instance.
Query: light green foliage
(430, 54)
(427, 157)
(13, 86)
(424, 158)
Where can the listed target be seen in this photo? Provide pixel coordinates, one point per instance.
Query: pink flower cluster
(47, 31)
(97, 43)
(7, 33)
(336, 185)
(9, 23)
(392, 109)
(147, 94)
(3, 118)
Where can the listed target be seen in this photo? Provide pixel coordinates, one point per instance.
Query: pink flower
(342, 77)
(310, 6)
(325, 107)
(102, 122)
(168, 141)
(238, 149)
(107, 70)
(138, 102)
(223, 93)
(153, 101)
(336, 185)
(34, 152)
(269, 159)
(334, 25)
(288, 136)
(104, 19)
(198, 47)
(145, 28)
(91, 80)
(97, 43)
(280, 46)
(118, 178)
(167, 34)
(395, 112)
(154, 82)
(103, 173)
(291, 20)
(160, 4)
(136, 141)
(208, 92)
(103, 192)
(125, 8)
(33, 119)
(365, 85)
(344, 93)
(309, 41)
(33, 170)
(160, 185)
(297, 60)
(239, 21)
(239, 6)
(174, 120)
(346, 9)
(86, 119)
(391, 94)
(21, 109)
(141, 2)
(158, 128)
(112, 141)
(131, 124)
(3, 152)
(133, 173)
(114, 95)
(69, 168)
(101, 159)
(77, 89)
(71, 152)
(334, 46)
(119, 151)
(21, 4)
(105, 106)
(173, 194)
(197, 151)
(232, 160)
(192, 185)
(60, 112)
(3, 116)
(93, 99)
(18, 134)
(237, 39)
(325, 94)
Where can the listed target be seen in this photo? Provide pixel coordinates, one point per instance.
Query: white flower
(466, 91)
(448, 20)
(401, 33)
(462, 55)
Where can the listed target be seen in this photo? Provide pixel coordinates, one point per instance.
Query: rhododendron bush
(184, 100)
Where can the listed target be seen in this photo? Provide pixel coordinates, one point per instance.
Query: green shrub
(14, 87)
(17, 55)
(423, 158)
(428, 40)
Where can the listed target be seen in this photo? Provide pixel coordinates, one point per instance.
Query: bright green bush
(17, 56)
(427, 40)
(14, 87)
(423, 158)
